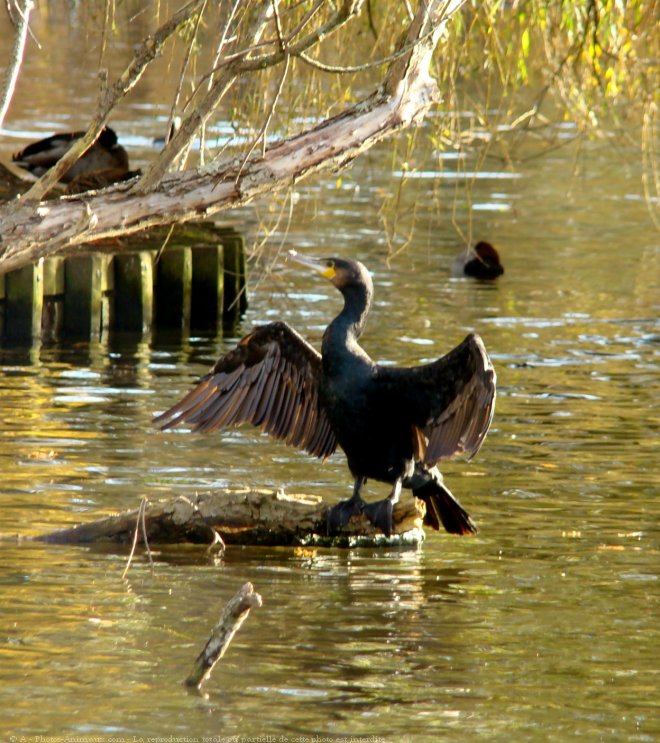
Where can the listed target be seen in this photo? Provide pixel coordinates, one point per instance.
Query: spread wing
(451, 402)
(271, 379)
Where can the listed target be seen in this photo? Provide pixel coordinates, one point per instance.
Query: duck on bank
(104, 163)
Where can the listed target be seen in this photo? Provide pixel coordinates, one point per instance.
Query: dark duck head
(480, 262)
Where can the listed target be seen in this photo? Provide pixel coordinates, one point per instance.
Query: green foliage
(592, 60)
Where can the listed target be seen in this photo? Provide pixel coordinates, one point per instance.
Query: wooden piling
(198, 282)
(52, 314)
(207, 287)
(174, 269)
(24, 302)
(133, 294)
(108, 294)
(84, 279)
(235, 271)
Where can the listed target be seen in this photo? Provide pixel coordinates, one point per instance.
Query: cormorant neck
(349, 324)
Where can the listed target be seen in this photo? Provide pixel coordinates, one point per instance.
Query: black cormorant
(394, 424)
(480, 262)
(104, 163)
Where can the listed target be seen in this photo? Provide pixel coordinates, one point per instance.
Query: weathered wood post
(207, 287)
(235, 271)
(134, 292)
(52, 315)
(85, 280)
(81, 296)
(174, 270)
(24, 302)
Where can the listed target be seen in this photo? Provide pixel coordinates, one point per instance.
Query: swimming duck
(480, 262)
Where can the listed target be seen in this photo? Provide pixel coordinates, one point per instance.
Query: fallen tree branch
(27, 234)
(244, 516)
(235, 613)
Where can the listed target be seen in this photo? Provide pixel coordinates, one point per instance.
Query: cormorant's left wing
(271, 379)
(452, 401)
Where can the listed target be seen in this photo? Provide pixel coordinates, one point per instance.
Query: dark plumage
(394, 424)
(105, 162)
(480, 262)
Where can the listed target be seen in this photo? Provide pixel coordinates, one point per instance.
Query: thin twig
(184, 67)
(269, 116)
(140, 516)
(143, 528)
(202, 110)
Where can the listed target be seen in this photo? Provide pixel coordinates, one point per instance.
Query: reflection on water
(543, 627)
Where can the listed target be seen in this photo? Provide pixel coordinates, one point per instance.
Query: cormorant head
(341, 272)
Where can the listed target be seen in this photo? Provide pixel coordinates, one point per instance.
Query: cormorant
(480, 262)
(104, 163)
(394, 424)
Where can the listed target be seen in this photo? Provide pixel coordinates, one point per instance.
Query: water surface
(541, 628)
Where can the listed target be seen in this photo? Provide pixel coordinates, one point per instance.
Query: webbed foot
(340, 514)
(380, 515)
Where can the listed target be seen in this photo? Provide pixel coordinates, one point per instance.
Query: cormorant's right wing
(271, 379)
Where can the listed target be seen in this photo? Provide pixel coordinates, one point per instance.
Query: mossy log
(245, 516)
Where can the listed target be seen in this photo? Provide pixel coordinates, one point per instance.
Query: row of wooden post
(197, 281)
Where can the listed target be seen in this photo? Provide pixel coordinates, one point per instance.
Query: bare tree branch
(147, 52)
(55, 227)
(23, 8)
(202, 110)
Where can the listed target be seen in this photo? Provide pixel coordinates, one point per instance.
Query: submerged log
(245, 516)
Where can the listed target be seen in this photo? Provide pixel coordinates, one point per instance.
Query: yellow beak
(319, 265)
